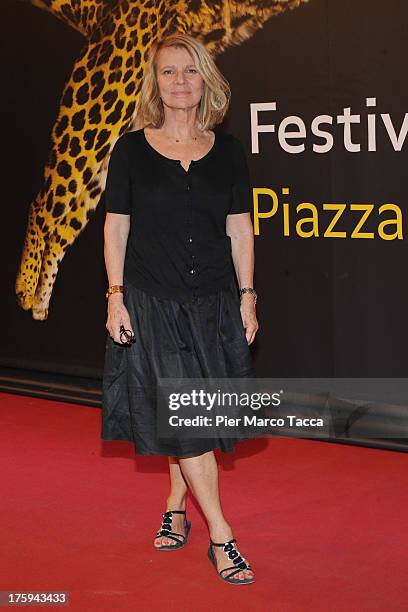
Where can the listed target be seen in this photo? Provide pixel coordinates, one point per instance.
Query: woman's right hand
(117, 315)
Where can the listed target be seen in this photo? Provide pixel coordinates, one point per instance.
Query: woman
(177, 228)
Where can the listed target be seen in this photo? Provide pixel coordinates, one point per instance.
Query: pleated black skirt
(201, 338)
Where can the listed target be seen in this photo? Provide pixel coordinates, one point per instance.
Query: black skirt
(201, 338)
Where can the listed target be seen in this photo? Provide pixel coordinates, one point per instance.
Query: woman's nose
(180, 77)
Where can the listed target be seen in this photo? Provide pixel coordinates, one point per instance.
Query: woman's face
(180, 84)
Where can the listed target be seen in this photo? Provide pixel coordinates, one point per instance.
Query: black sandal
(239, 561)
(165, 530)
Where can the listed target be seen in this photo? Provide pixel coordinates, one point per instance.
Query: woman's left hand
(248, 314)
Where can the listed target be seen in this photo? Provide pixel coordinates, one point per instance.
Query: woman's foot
(222, 559)
(177, 525)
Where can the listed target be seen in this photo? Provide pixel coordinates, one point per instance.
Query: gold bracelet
(114, 289)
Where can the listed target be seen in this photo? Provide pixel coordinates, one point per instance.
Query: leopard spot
(93, 194)
(63, 145)
(109, 28)
(75, 146)
(131, 18)
(103, 152)
(130, 88)
(61, 126)
(115, 115)
(129, 111)
(79, 74)
(97, 77)
(95, 114)
(75, 224)
(105, 52)
(64, 169)
(115, 76)
(67, 97)
(116, 62)
(58, 209)
(102, 138)
(78, 120)
(109, 98)
(80, 163)
(87, 175)
(48, 202)
(89, 137)
(52, 159)
(97, 89)
(72, 186)
(144, 20)
(83, 94)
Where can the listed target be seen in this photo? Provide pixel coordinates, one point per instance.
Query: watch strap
(250, 290)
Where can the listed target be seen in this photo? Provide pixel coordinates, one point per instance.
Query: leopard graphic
(98, 105)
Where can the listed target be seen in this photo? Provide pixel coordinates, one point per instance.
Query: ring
(127, 334)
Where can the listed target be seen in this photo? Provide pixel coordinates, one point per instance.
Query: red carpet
(323, 525)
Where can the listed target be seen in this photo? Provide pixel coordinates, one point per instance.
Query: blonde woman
(178, 238)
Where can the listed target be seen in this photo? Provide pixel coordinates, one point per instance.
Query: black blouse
(177, 246)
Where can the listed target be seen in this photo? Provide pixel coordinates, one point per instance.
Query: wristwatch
(250, 290)
(114, 289)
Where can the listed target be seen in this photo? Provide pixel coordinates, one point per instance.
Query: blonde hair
(216, 90)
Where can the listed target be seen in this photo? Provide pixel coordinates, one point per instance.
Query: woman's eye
(167, 70)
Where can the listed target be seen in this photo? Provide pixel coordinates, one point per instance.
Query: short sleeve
(241, 198)
(118, 185)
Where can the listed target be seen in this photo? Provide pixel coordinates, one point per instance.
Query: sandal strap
(223, 543)
(169, 535)
(236, 570)
(169, 531)
(233, 553)
(168, 518)
(165, 529)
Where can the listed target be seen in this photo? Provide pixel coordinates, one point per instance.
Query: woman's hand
(248, 314)
(117, 315)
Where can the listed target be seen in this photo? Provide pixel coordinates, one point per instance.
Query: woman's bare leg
(175, 501)
(201, 475)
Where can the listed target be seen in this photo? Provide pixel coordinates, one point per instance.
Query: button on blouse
(177, 246)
